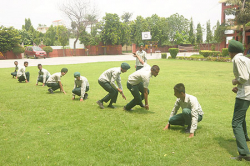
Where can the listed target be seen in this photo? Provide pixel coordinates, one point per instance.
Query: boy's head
(179, 90)
(124, 67)
(141, 46)
(235, 47)
(40, 67)
(26, 63)
(64, 71)
(77, 75)
(155, 70)
(16, 63)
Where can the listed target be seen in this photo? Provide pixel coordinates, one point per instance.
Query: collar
(186, 97)
(239, 54)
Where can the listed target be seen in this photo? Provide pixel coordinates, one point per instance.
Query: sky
(14, 12)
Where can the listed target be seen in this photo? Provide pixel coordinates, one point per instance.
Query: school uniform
(15, 72)
(22, 75)
(80, 87)
(43, 76)
(53, 80)
(142, 55)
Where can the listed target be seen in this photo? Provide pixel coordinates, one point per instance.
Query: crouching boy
(81, 87)
(54, 81)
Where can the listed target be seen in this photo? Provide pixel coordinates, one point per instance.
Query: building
(58, 22)
(42, 29)
(235, 31)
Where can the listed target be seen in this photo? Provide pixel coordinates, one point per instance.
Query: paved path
(79, 59)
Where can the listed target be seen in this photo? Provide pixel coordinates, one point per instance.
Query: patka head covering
(64, 70)
(125, 66)
(235, 47)
(77, 74)
(141, 44)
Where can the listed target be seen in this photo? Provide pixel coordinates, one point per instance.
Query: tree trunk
(243, 34)
(63, 52)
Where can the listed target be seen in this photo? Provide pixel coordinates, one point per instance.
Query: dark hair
(155, 67)
(180, 87)
(39, 65)
(26, 62)
(15, 61)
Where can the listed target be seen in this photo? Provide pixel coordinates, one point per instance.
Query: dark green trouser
(77, 90)
(40, 78)
(138, 67)
(184, 118)
(21, 78)
(53, 86)
(113, 93)
(14, 73)
(239, 125)
(135, 91)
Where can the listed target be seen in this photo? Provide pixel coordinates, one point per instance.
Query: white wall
(78, 45)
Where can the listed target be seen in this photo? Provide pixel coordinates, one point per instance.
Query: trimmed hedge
(173, 52)
(163, 55)
(47, 49)
(224, 52)
(207, 53)
(217, 59)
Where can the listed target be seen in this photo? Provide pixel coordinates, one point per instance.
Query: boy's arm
(146, 98)
(61, 87)
(174, 111)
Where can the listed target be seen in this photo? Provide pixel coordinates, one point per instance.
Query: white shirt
(143, 75)
(142, 55)
(241, 68)
(21, 72)
(54, 78)
(112, 75)
(44, 73)
(83, 83)
(192, 103)
(16, 68)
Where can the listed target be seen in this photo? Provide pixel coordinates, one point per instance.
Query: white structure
(42, 29)
(58, 22)
(146, 36)
(78, 45)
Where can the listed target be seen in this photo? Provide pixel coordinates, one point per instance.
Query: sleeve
(145, 81)
(175, 109)
(23, 73)
(194, 114)
(144, 57)
(74, 88)
(44, 76)
(113, 79)
(37, 77)
(243, 74)
(119, 82)
(83, 88)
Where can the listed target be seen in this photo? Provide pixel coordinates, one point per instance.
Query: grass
(37, 128)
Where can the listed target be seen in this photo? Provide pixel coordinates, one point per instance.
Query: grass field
(38, 128)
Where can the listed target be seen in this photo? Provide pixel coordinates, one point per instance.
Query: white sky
(14, 12)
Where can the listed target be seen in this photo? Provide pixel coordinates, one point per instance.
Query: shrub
(173, 52)
(163, 55)
(225, 52)
(47, 49)
(18, 50)
(207, 53)
(213, 47)
(197, 55)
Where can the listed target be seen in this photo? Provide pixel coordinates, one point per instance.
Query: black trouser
(53, 86)
(112, 95)
(138, 67)
(22, 78)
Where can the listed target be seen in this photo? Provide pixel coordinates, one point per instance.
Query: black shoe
(85, 96)
(50, 91)
(247, 139)
(111, 106)
(124, 108)
(239, 158)
(100, 104)
(187, 130)
(142, 106)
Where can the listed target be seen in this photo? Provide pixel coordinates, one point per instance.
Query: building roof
(222, 1)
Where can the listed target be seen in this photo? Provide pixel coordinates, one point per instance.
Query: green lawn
(38, 128)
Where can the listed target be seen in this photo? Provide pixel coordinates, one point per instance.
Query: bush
(18, 50)
(225, 52)
(207, 53)
(173, 52)
(213, 47)
(163, 55)
(197, 55)
(47, 49)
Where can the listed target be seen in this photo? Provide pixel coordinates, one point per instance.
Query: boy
(81, 87)
(241, 68)
(142, 54)
(54, 81)
(43, 75)
(16, 69)
(107, 82)
(22, 75)
(191, 110)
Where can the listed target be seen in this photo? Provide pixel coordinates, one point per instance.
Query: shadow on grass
(140, 111)
(229, 144)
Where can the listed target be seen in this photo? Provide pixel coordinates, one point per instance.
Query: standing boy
(142, 54)
(43, 75)
(107, 82)
(241, 69)
(22, 75)
(81, 87)
(191, 110)
(16, 69)
(54, 81)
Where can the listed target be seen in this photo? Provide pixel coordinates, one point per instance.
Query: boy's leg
(21, 78)
(137, 97)
(112, 95)
(40, 79)
(53, 86)
(27, 76)
(177, 120)
(77, 91)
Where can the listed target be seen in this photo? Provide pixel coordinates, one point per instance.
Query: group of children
(138, 83)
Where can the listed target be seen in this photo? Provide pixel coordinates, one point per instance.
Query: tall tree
(63, 36)
(77, 11)
(191, 37)
(241, 10)
(27, 24)
(126, 16)
(199, 34)
(209, 35)
(137, 27)
(92, 19)
(26, 37)
(219, 33)
(50, 36)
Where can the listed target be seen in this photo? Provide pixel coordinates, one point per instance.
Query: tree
(27, 24)
(50, 36)
(18, 50)
(126, 16)
(219, 33)
(241, 10)
(77, 11)
(63, 36)
(137, 27)
(26, 37)
(9, 38)
(199, 34)
(91, 19)
(191, 37)
(47, 49)
(209, 35)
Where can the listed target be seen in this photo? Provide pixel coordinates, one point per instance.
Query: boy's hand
(167, 127)
(81, 99)
(191, 135)
(235, 89)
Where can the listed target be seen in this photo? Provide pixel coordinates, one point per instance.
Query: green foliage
(9, 38)
(219, 33)
(26, 37)
(225, 52)
(191, 37)
(27, 24)
(50, 36)
(207, 53)
(47, 49)
(173, 52)
(197, 56)
(213, 47)
(163, 55)
(63, 35)
(137, 27)
(199, 34)
(209, 35)
(181, 38)
(202, 58)
(18, 50)
(126, 16)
